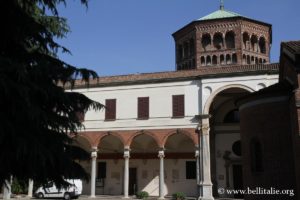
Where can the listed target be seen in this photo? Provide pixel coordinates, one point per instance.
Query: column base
(205, 191)
(125, 197)
(161, 198)
(92, 196)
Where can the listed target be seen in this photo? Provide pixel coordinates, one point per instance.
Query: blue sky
(116, 37)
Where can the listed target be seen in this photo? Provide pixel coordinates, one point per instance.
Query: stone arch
(144, 142)
(83, 141)
(256, 60)
(92, 137)
(230, 40)
(115, 134)
(214, 60)
(260, 61)
(262, 45)
(143, 132)
(216, 92)
(111, 142)
(254, 43)
(179, 131)
(246, 40)
(218, 40)
(206, 41)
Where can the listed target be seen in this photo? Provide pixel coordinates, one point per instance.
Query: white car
(51, 191)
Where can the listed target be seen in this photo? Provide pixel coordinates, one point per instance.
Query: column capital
(94, 152)
(161, 153)
(126, 153)
(203, 128)
(197, 154)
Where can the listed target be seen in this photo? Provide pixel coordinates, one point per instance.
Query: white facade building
(178, 131)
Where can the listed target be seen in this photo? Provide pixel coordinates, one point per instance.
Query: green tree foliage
(37, 114)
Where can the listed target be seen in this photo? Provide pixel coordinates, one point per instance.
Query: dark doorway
(237, 179)
(132, 181)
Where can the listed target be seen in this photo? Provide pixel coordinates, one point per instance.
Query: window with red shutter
(143, 108)
(110, 109)
(178, 105)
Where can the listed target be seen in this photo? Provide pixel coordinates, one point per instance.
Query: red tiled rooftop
(205, 72)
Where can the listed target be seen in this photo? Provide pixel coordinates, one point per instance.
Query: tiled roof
(219, 14)
(205, 72)
(293, 46)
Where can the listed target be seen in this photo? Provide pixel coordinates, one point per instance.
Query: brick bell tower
(222, 38)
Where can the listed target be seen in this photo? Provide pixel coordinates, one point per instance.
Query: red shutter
(143, 107)
(110, 110)
(178, 105)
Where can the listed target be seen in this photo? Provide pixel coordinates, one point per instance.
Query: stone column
(126, 171)
(205, 184)
(197, 168)
(93, 172)
(161, 155)
(30, 188)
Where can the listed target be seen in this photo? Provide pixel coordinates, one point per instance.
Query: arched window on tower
(202, 61)
(192, 47)
(193, 64)
(179, 53)
(230, 40)
(222, 60)
(256, 60)
(228, 59)
(218, 41)
(246, 41)
(248, 60)
(206, 42)
(260, 61)
(214, 60)
(234, 58)
(252, 59)
(262, 45)
(256, 156)
(244, 59)
(254, 43)
(185, 50)
(208, 60)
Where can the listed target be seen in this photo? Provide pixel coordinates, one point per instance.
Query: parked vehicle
(50, 190)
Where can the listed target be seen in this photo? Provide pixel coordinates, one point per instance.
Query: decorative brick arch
(115, 134)
(145, 132)
(190, 134)
(77, 136)
(216, 92)
(87, 137)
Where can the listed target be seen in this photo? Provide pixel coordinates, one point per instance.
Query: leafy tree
(37, 114)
